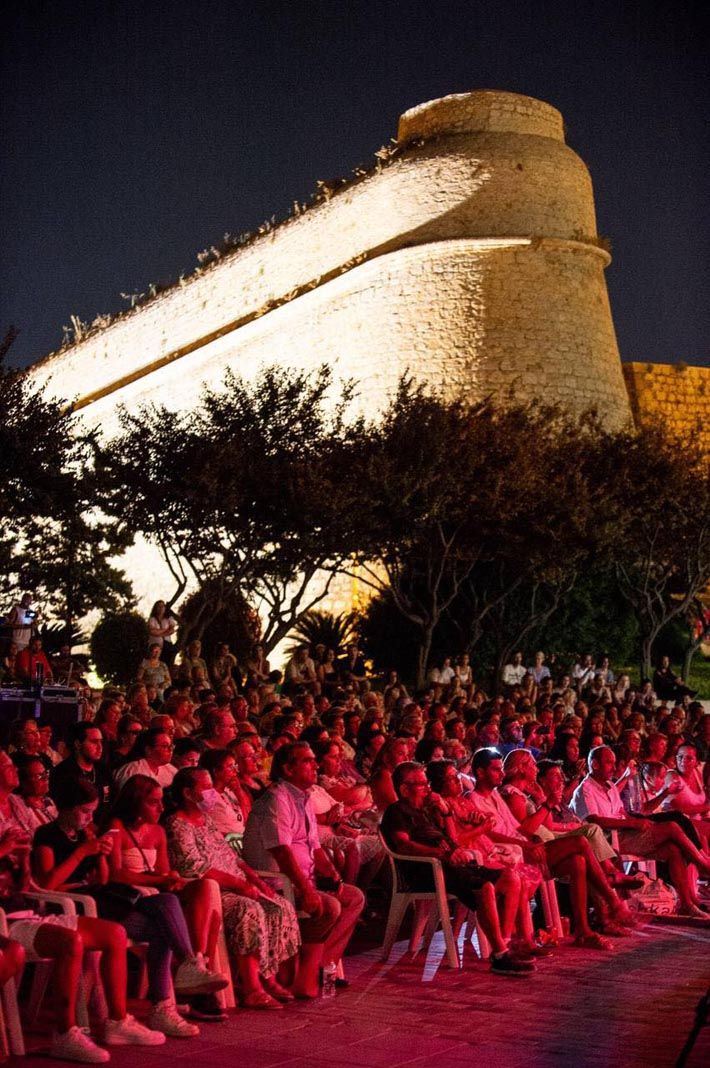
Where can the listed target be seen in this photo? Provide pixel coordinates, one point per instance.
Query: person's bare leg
(508, 889)
(308, 973)
(351, 867)
(202, 914)
(487, 917)
(248, 971)
(573, 869)
(111, 941)
(678, 870)
(66, 949)
(670, 833)
(525, 928)
(12, 959)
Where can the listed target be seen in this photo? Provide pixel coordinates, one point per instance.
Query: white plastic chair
(90, 980)
(12, 1039)
(432, 907)
(68, 902)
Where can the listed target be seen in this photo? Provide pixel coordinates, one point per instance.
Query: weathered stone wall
(471, 260)
(675, 395)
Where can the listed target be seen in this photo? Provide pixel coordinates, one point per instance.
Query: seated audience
(261, 927)
(597, 799)
(281, 835)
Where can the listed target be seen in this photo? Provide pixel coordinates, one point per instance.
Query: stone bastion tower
(468, 256)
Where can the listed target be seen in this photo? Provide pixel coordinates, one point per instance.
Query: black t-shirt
(69, 771)
(419, 826)
(415, 822)
(52, 836)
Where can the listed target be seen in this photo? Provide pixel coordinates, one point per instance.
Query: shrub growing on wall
(118, 644)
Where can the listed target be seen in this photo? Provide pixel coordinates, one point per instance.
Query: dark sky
(136, 132)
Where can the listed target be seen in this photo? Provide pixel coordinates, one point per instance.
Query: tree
(663, 562)
(118, 644)
(325, 628)
(698, 633)
(470, 503)
(51, 538)
(249, 492)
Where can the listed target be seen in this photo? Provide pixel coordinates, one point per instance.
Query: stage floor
(632, 1007)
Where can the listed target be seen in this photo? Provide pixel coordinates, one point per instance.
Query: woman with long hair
(70, 856)
(140, 858)
(261, 927)
(392, 753)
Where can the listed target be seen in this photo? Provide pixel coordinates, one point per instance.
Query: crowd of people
(217, 799)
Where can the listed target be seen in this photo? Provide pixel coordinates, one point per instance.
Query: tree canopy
(52, 539)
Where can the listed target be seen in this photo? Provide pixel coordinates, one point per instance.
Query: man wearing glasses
(409, 828)
(155, 761)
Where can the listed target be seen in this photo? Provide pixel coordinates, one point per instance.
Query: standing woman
(327, 673)
(161, 627)
(153, 671)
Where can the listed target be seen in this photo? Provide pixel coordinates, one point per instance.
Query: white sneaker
(165, 1018)
(77, 1045)
(128, 1032)
(194, 977)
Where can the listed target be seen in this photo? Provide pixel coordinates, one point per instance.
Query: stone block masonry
(471, 261)
(676, 395)
(469, 258)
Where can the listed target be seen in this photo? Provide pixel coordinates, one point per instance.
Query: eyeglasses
(416, 783)
(42, 777)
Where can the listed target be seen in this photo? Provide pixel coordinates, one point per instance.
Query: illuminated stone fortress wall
(471, 259)
(468, 257)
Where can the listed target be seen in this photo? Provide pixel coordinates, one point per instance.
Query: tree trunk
(423, 654)
(647, 641)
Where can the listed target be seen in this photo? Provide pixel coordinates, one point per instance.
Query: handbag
(114, 901)
(654, 897)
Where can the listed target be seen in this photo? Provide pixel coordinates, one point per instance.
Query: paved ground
(631, 1008)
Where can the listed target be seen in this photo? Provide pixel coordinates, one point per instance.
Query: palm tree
(324, 628)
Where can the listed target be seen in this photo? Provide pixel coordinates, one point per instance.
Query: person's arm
(403, 843)
(140, 674)
(684, 805)
(306, 894)
(383, 789)
(58, 877)
(529, 823)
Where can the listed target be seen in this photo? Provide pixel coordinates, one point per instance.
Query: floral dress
(267, 927)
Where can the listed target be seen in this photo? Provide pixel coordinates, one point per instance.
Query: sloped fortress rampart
(471, 259)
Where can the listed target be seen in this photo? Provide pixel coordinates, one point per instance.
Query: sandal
(259, 999)
(279, 992)
(593, 941)
(616, 929)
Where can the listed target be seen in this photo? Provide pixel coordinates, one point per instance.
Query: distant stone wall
(676, 395)
(471, 260)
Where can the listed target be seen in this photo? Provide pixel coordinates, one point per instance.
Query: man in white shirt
(597, 800)
(583, 673)
(513, 674)
(282, 835)
(155, 763)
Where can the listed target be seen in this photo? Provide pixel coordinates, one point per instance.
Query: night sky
(135, 133)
